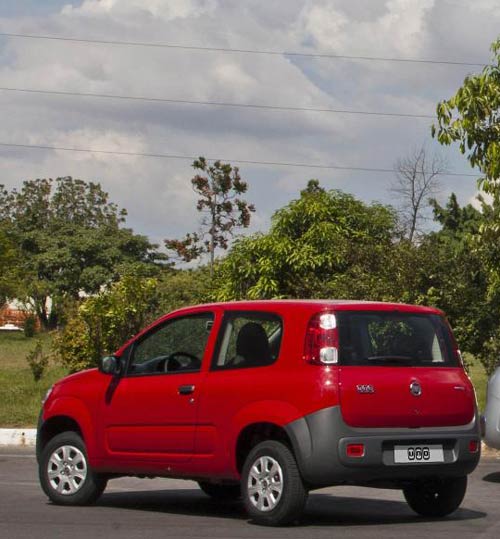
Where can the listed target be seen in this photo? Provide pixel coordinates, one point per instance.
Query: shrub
(37, 361)
(490, 356)
(105, 321)
(72, 345)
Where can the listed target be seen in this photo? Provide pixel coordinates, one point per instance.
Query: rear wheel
(65, 474)
(271, 485)
(436, 498)
(220, 492)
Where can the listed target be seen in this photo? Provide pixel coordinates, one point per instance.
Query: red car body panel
(447, 398)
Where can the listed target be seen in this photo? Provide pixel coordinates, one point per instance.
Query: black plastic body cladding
(319, 441)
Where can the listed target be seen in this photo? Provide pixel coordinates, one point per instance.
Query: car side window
(176, 346)
(248, 340)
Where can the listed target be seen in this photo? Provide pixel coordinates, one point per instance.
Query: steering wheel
(173, 364)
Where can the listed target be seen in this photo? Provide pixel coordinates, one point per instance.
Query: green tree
(8, 265)
(324, 244)
(180, 288)
(219, 187)
(455, 279)
(71, 240)
(105, 321)
(471, 118)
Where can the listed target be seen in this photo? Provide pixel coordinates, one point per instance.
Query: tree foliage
(324, 244)
(219, 187)
(472, 118)
(8, 266)
(71, 240)
(180, 288)
(105, 321)
(455, 279)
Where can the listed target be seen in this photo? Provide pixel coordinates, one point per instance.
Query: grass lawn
(20, 395)
(479, 379)
(14, 347)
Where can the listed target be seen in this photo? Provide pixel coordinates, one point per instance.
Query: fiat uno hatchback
(268, 400)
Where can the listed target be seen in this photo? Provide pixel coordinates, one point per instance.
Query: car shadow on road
(178, 501)
(492, 477)
(322, 509)
(325, 509)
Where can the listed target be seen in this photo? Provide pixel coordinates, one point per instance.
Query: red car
(270, 399)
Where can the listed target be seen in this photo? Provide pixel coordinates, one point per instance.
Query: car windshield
(394, 338)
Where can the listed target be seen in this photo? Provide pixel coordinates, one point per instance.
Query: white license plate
(418, 454)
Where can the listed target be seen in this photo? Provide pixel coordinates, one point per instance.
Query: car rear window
(389, 338)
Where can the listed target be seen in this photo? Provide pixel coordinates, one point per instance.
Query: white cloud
(128, 9)
(398, 29)
(157, 192)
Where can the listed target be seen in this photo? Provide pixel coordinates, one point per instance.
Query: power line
(193, 157)
(218, 103)
(245, 51)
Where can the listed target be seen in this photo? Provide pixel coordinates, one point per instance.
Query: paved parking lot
(135, 508)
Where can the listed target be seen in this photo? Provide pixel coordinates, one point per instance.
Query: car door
(149, 414)
(242, 373)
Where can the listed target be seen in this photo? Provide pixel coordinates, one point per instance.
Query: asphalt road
(143, 508)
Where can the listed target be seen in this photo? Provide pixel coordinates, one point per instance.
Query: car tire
(219, 491)
(271, 485)
(65, 474)
(436, 498)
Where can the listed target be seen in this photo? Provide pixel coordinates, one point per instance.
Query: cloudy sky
(156, 192)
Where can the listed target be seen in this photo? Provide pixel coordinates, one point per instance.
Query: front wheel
(271, 485)
(436, 498)
(65, 474)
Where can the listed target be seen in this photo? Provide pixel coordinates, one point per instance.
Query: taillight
(355, 451)
(321, 344)
(473, 446)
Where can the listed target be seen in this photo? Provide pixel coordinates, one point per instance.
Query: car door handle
(186, 390)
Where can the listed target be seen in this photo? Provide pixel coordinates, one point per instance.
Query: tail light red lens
(321, 343)
(355, 451)
(473, 446)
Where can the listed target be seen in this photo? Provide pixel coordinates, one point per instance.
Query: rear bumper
(320, 441)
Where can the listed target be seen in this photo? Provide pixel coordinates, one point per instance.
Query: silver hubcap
(67, 470)
(265, 483)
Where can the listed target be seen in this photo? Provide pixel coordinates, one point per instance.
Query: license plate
(418, 454)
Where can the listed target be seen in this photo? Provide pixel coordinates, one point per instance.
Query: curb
(27, 438)
(21, 437)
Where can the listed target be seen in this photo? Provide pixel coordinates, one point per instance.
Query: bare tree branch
(417, 180)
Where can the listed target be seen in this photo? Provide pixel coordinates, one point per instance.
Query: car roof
(314, 304)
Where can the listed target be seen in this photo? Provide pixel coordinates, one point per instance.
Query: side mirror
(109, 365)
